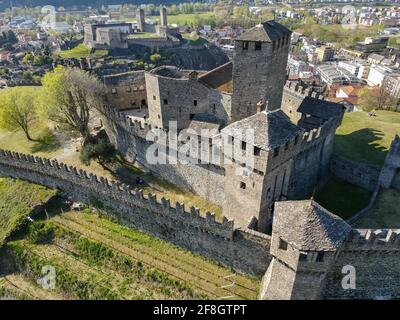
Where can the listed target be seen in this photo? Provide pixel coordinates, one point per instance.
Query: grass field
(81, 51)
(180, 19)
(385, 213)
(45, 144)
(143, 35)
(95, 258)
(17, 198)
(342, 198)
(367, 139)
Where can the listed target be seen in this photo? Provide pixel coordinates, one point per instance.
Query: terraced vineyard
(95, 258)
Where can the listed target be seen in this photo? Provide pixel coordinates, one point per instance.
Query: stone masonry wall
(129, 138)
(396, 181)
(391, 168)
(254, 69)
(244, 250)
(375, 257)
(293, 95)
(359, 174)
(194, 98)
(311, 164)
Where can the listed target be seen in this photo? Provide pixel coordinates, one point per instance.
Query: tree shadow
(363, 145)
(47, 142)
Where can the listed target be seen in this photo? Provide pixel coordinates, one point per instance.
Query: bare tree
(69, 96)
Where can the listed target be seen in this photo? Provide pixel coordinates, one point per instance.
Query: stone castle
(294, 129)
(122, 35)
(272, 227)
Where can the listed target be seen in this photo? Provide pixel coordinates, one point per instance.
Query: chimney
(260, 106)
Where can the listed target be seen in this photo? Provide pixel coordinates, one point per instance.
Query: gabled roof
(308, 226)
(266, 32)
(349, 90)
(321, 108)
(271, 129)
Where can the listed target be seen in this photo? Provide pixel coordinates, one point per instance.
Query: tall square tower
(259, 68)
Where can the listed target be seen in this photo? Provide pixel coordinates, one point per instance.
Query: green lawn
(367, 139)
(342, 198)
(385, 213)
(194, 39)
(181, 19)
(45, 144)
(17, 198)
(81, 51)
(143, 35)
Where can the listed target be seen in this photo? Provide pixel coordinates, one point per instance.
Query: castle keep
(293, 128)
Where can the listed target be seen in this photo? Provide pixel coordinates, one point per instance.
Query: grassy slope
(80, 51)
(114, 262)
(367, 139)
(45, 146)
(342, 198)
(17, 198)
(385, 213)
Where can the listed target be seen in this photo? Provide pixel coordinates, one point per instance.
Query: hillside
(17, 201)
(112, 261)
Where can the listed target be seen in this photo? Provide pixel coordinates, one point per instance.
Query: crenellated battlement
(374, 240)
(314, 136)
(103, 188)
(296, 89)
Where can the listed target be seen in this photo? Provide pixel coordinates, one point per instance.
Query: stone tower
(305, 240)
(163, 17)
(140, 19)
(390, 174)
(270, 141)
(259, 68)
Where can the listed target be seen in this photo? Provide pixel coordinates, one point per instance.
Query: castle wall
(127, 90)
(396, 181)
(292, 97)
(359, 174)
(374, 254)
(193, 98)
(242, 249)
(154, 43)
(312, 162)
(391, 168)
(129, 138)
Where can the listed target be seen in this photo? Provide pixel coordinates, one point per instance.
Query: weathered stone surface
(244, 251)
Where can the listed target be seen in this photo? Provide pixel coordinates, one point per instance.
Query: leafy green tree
(28, 58)
(101, 151)
(18, 109)
(68, 97)
(27, 76)
(156, 57)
